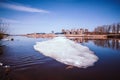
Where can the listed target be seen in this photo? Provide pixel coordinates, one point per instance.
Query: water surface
(28, 64)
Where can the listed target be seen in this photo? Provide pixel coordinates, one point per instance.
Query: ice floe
(67, 51)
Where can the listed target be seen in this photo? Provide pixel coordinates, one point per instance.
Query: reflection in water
(109, 43)
(79, 39)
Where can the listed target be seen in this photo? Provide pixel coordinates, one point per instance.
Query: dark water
(28, 64)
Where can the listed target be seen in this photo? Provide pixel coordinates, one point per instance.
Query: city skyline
(29, 16)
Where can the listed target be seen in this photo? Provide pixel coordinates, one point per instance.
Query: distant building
(75, 31)
(81, 31)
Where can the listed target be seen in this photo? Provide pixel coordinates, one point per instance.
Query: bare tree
(3, 28)
(63, 31)
(117, 28)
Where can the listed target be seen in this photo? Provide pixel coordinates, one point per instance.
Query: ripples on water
(28, 64)
(20, 53)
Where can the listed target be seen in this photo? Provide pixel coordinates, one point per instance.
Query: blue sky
(28, 16)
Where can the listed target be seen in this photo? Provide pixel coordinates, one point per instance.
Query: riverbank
(113, 35)
(88, 36)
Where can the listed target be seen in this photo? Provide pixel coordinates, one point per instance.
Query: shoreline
(85, 36)
(66, 35)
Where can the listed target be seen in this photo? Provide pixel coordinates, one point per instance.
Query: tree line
(105, 29)
(108, 29)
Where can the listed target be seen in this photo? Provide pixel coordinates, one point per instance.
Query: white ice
(67, 52)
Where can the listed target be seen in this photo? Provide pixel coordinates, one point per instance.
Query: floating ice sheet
(67, 52)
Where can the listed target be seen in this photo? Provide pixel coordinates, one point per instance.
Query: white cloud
(22, 8)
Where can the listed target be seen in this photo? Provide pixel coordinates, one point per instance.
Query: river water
(28, 64)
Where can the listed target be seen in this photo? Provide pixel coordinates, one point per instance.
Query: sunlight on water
(67, 52)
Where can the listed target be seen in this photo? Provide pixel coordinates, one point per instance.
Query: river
(27, 64)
